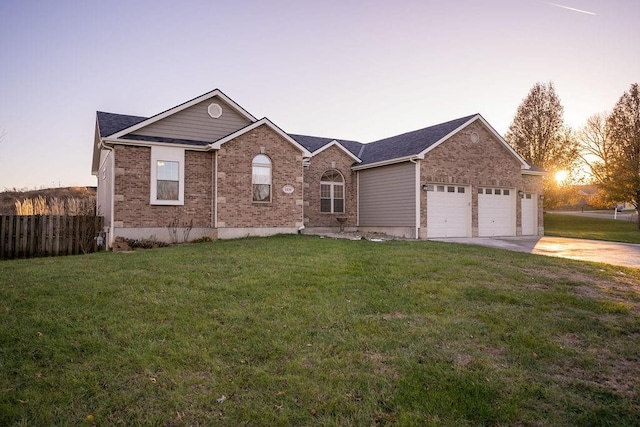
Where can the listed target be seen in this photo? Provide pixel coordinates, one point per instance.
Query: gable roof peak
(211, 94)
(411, 143)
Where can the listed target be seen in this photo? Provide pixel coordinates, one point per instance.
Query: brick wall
(235, 205)
(461, 161)
(331, 158)
(132, 190)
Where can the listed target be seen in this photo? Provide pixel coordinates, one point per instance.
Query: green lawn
(299, 330)
(581, 227)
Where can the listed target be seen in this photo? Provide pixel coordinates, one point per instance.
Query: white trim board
(335, 143)
(264, 121)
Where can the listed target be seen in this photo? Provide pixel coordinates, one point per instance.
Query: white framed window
(167, 176)
(167, 180)
(332, 192)
(261, 179)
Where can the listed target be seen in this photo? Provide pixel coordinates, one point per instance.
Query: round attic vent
(475, 137)
(214, 110)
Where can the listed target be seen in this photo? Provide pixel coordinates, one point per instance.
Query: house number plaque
(288, 189)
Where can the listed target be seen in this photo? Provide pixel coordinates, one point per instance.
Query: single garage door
(496, 212)
(448, 211)
(529, 214)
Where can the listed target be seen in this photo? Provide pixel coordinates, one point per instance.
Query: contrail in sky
(571, 8)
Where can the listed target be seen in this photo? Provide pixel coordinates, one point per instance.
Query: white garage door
(448, 211)
(529, 214)
(496, 212)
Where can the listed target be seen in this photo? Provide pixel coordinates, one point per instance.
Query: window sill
(167, 203)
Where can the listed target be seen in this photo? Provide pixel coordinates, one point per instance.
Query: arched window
(332, 192)
(261, 178)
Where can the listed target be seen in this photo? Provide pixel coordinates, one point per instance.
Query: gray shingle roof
(410, 143)
(399, 146)
(534, 168)
(404, 145)
(313, 143)
(110, 123)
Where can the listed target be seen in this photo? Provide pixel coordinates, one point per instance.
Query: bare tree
(597, 150)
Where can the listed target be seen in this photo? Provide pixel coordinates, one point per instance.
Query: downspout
(113, 190)
(418, 195)
(215, 191)
(302, 227)
(358, 200)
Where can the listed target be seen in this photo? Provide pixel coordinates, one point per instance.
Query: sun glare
(561, 177)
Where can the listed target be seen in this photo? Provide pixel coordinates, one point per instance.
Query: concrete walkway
(624, 254)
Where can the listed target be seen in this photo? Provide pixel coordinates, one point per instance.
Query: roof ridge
(463, 118)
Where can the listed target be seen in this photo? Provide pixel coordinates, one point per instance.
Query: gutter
(103, 145)
(418, 195)
(156, 144)
(386, 162)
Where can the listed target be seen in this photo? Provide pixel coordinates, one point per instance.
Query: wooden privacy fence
(26, 236)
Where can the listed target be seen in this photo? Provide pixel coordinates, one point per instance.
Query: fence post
(32, 232)
(78, 234)
(42, 235)
(11, 243)
(3, 234)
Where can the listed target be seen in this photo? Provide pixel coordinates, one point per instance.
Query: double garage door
(449, 211)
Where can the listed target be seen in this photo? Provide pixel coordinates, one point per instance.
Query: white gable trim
(523, 163)
(184, 106)
(264, 121)
(335, 143)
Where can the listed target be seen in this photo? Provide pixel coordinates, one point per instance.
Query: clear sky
(361, 70)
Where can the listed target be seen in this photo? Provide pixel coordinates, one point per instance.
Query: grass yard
(581, 227)
(299, 330)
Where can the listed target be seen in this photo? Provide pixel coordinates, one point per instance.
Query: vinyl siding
(388, 196)
(194, 123)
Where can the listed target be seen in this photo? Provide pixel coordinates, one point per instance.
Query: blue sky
(361, 70)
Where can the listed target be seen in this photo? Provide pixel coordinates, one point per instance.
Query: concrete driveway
(624, 254)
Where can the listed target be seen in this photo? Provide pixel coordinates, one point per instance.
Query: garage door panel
(496, 212)
(448, 211)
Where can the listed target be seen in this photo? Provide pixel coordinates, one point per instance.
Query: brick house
(208, 167)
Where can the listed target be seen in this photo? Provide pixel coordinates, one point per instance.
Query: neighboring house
(589, 195)
(209, 168)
